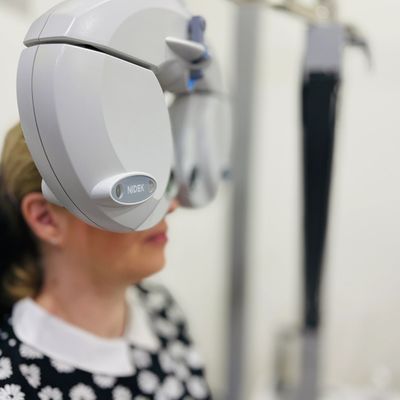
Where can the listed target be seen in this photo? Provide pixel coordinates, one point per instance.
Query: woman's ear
(45, 220)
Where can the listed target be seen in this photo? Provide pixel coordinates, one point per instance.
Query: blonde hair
(20, 272)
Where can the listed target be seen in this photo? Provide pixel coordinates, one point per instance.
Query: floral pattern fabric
(175, 372)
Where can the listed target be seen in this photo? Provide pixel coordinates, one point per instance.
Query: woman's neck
(75, 294)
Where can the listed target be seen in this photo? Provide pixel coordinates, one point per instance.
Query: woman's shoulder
(165, 314)
(170, 324)
(157, 297)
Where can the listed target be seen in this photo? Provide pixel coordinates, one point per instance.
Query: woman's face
(121, 257)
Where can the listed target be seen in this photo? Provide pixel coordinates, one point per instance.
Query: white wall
(362, 321)
(362, 282)
(363, 296)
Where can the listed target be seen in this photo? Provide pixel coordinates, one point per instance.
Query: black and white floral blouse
(45, 358)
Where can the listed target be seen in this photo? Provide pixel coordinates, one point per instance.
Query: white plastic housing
(86, 117)
(133, 29)
(91, 98)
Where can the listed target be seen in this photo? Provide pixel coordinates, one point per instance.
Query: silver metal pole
(245, 62)
(308, 388)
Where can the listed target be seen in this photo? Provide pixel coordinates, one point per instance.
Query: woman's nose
(173, 205)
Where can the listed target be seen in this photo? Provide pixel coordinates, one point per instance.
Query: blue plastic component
(197, 28)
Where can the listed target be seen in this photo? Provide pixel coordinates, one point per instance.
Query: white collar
(61, 341)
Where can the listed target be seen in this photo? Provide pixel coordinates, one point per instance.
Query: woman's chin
(152, 265)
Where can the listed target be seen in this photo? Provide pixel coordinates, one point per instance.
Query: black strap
(319, 95)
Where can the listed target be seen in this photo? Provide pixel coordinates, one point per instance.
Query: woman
(76, 323)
